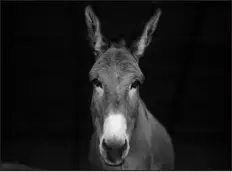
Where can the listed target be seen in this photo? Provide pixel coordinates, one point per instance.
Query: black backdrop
(46, 93)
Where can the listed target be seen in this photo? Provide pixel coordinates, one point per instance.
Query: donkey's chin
(117, 163)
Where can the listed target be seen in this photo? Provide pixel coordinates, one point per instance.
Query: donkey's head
(115, 76)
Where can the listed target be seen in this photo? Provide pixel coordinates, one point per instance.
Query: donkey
(126, 136)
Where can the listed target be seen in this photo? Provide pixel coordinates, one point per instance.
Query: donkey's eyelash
(135, 84)
(97, 82)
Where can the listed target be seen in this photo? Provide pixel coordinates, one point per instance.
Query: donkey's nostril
(114, 149)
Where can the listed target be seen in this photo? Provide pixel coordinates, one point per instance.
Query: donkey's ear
(145, 39)
(94, 31)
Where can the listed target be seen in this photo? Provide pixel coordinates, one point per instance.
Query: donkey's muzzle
(115, 151)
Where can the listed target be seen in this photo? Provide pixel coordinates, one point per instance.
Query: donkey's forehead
(116, 59)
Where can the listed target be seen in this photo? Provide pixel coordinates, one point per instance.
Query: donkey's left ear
(145, 39)
(94, 30)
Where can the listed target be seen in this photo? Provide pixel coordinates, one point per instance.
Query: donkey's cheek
(98, 126)
(132, 93)
(130, 126)
(97, 102)
(133, 100)
(99, 92)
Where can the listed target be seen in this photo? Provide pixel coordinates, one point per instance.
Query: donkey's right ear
(94, 31)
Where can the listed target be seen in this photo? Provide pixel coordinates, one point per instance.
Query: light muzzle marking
(114, 127)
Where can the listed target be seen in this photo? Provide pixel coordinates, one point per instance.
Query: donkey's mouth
(113, 158)
(114, 154)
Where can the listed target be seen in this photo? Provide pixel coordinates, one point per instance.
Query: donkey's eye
(135, 84)
(97, 83)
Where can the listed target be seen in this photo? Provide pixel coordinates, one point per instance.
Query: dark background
(46, 93)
